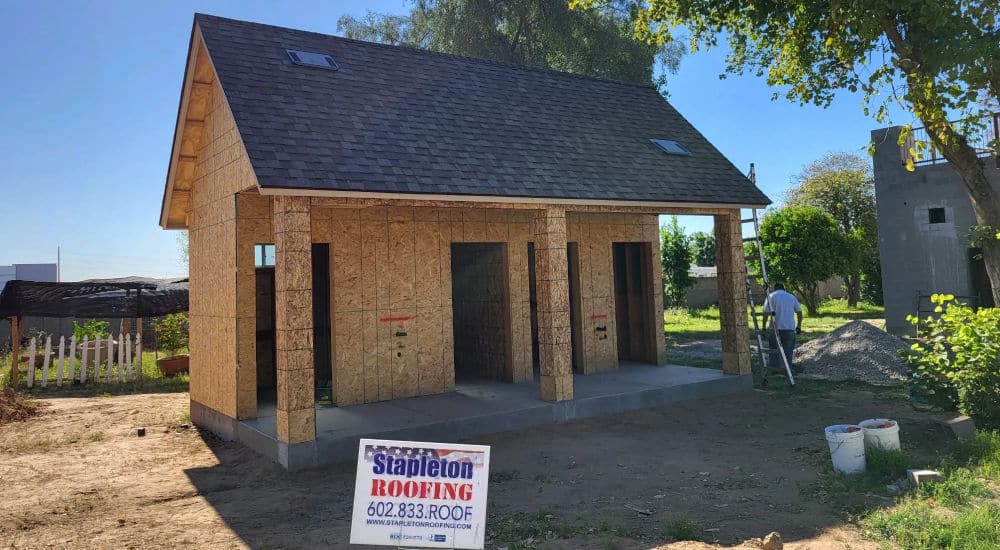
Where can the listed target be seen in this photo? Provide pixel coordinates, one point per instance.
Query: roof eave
(194, 43)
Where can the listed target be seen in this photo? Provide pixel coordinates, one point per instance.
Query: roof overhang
(199, 79)
(653, 206)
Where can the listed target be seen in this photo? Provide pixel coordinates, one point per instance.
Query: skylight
(670, 146)
(312, 59)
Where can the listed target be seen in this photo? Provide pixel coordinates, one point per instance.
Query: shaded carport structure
(127, 297)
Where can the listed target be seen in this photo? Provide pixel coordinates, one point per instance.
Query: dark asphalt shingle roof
(404, 120)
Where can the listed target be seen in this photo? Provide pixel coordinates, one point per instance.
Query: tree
(594, 41)
(939, 59)
(703, 249)
(841, 185)
(802, 247)
(183, 246)
(675, 257)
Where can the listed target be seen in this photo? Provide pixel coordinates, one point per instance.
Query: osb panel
(595, 234)
(253, 226)
(212, 289)
(391, 280)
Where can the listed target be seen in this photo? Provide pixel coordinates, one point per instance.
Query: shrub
(91, 328)
(172, 333)
(956, 361)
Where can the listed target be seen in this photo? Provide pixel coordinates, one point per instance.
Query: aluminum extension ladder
(765, 283)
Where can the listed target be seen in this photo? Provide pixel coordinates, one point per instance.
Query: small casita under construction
(371, 223)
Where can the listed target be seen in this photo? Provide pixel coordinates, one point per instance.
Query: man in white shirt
(787, 313)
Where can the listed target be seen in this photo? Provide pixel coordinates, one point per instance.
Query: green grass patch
(961, 511)
(681, 528)
(682, 325)
(151, 381)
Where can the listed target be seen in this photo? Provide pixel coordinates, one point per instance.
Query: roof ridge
(480, 60)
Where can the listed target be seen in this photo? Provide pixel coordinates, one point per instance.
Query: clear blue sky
(89, 101)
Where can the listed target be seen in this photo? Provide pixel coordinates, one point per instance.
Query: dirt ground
(736, 467)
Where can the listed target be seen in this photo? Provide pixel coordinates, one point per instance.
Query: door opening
(633, 302)
(575, 320)
(267, 377)
(480, 310)
(322, 353)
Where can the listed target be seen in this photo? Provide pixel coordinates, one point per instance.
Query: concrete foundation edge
(214, 421)
(345, 449)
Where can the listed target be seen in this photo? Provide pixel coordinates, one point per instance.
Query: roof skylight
(312, 59)
(670, 146)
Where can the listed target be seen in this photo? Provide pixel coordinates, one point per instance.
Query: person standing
(787, 313)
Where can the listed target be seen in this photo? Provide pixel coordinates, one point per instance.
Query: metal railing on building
(983, 138)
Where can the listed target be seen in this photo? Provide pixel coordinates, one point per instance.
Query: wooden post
(62, 361)
(732, 280)
(552, 290)
(15, 349)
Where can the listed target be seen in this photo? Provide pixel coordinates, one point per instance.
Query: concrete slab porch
(483, 407)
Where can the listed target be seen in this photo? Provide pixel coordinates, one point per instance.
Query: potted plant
(172, 337)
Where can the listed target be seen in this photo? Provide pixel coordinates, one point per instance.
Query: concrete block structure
(924, 217)
(373, 224)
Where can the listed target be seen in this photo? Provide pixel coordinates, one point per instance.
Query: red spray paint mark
(397, 319)
(599, 316)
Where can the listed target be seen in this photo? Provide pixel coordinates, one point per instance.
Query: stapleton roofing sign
(430, 495)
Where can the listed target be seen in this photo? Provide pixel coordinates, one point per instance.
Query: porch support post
(552, 289)
(732, 280)
(296, 414)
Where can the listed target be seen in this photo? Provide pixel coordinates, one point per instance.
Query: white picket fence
(95, 369)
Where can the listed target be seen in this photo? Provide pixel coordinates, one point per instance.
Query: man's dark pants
(787, 345)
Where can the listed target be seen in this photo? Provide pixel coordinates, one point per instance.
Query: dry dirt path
(737, 467)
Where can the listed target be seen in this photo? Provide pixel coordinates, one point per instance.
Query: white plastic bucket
(880, 433)
(847, 448)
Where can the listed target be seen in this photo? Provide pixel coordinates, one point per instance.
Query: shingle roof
(404, 120)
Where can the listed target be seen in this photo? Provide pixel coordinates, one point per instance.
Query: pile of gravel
(855, 351)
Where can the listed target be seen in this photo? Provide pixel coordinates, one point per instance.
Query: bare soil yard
(726, 470)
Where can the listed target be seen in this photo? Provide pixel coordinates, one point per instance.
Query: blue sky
(89, 103)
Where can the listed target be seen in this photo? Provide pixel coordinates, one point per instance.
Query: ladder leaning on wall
(751, 303)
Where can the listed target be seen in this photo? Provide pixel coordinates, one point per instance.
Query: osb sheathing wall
(222, 169)
(392, 299)
(254, 226)
(595, 233)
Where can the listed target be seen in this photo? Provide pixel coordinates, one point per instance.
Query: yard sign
(414, 494)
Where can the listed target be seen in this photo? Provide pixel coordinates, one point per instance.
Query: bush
(956, 361)
(172, 333)
(91, 328)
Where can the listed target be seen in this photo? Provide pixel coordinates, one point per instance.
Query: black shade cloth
(125, 297)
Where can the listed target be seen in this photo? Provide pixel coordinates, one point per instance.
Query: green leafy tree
(802, 247)
(597, 41)
(675, 257)
(183, 247)
(91, 328)
(841, 185)
(703, 248)
(938, 59)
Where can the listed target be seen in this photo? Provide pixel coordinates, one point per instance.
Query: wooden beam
(15, 349)
(537, 204)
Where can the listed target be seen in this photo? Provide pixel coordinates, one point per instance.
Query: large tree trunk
(852, 283)
(984, 198)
